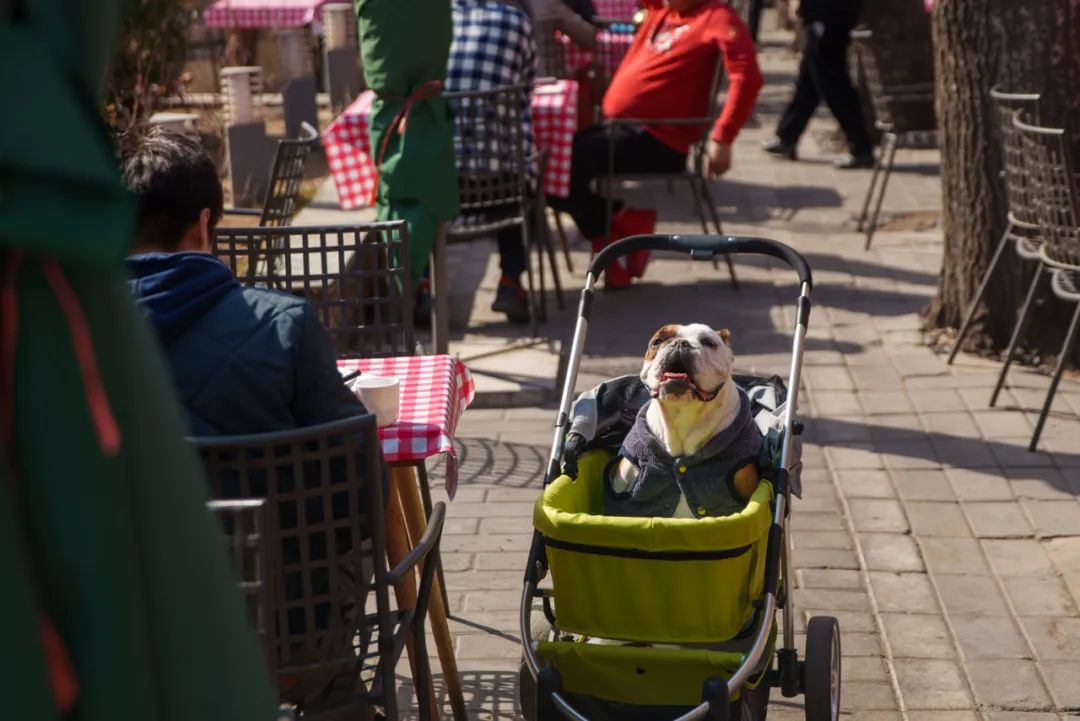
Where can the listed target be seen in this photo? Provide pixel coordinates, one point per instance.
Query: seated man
(245, 360)
(666, 73)
(494, 47)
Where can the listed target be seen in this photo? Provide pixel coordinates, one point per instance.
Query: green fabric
(404, 44)
(120, 552)
(674, 601)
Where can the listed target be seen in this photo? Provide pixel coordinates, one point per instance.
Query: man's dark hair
(174, 179)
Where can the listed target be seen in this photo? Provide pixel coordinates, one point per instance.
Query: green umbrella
(404, 45)
(104, 532)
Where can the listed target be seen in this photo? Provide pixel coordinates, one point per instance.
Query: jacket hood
(177, 289)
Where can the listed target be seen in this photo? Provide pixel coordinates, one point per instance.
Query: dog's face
(688, 362)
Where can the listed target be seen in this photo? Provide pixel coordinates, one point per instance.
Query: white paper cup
(381, 396)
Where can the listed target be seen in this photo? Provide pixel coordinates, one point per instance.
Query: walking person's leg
(753, 17)
(798, 112)
(830, 74)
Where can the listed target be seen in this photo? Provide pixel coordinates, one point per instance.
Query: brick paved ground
(950, 554)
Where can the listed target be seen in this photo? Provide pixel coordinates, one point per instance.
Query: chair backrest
(1054, 190)
(1018, 188)
(550, 51)
(491, 141)
(253, 549)
(355, 277)
(286, 175)
(901, 96)
(323, 487)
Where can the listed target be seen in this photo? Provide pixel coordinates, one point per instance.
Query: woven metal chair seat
(1029, 247)
(1066, 284)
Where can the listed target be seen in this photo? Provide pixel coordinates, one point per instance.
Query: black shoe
(779, 147)
(854, 162)
(512, 300)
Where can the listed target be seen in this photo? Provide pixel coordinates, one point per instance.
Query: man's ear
(204, 230)
(725, 335)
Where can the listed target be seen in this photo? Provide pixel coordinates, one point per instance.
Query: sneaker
(854, 162)
(511, 299)
(777, 146)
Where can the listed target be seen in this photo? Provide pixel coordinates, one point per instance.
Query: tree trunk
(1028, 46)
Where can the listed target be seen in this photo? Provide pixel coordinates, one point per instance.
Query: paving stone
(910, 454)
(854, 456)
(997, 520)
(988, 637)
(825, 558)
(956, 424)
(834, 600)
(914, 485)
(953, 555)
(964, 452)
(895, 427)
(801, 522)
(865, 484)
(1014, 452)
(860, 696)
(822, 539)
(837, 403)
(978, 595)
(937, 519)
(890, 552)
(903, 592)
(998, 422)
(939, 715)
(1043, 483)
(879, 402)
(933, 400)
(1011, 684)
(864, 668)
(1017, 557)
(974, 484)
(830, 578)
(877, 515)
(917, 636)
(1054, 638)
(931, 684)
(1022, 716)
(1063, 677)
(1039, 596)
(1055, 518)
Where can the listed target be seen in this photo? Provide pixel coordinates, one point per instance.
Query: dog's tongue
(674, 377)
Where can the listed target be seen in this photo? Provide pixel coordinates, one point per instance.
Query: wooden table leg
(405, 481)
(397, 547)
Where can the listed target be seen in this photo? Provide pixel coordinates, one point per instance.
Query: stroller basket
(690, 580)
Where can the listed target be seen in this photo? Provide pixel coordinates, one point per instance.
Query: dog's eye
(656, 342)
(708, 342)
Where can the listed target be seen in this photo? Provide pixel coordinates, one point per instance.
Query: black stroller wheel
(822, 669)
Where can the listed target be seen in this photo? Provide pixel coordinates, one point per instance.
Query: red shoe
(635, 221)
(618, 274)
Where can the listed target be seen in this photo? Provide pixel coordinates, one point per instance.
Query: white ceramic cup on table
(381, 396)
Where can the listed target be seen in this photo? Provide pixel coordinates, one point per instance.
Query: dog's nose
(680, 343)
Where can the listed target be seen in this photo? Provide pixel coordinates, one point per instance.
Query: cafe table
(347, 141)
(435, 390)
(263, 13)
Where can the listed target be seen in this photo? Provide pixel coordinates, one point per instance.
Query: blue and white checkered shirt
(493, 47)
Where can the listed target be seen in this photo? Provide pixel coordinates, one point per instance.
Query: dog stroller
(657, 618)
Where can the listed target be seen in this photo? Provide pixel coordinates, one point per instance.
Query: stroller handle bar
(704, 247)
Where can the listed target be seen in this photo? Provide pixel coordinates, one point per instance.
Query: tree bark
(1028, 46)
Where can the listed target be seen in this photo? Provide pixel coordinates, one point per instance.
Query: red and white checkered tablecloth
(349, 155)
(262, 13)
(616, 9)
(435, 390)
(611, 47)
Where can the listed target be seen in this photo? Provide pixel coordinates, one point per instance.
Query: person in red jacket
(666, 73)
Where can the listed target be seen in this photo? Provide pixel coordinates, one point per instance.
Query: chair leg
(861, 225)
(425, 496)
(892, 142)
(711, 206)
(534, 308)
(563, 241)
(1066, 349)
(1018, 331)
(548, 247)
(983, 285)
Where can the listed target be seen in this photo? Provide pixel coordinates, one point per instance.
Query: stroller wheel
(822, 669)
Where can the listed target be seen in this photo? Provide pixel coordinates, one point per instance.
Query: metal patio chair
(323, 487)
(1057, 208)
(286, 175)
(1022, 227)
(500, 183)
(356, 277)
(694, 175)
(903, 112)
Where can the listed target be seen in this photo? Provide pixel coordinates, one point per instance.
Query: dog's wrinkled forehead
(698, 334)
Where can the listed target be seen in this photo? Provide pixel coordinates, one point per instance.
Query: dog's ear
(725, 335)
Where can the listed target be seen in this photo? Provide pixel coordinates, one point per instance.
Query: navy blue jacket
(245, 360)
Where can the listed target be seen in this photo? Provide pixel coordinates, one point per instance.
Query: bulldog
(693, 448)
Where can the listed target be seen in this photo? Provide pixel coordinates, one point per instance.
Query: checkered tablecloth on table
(611, 46)
(435, 390)
(349, 155)
(616, 9)
(262, 13)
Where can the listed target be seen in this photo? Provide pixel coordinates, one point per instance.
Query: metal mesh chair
(286, 175)
(498, 180)
(252, 548)
(1056, 201)
(694, 175)
(1022, 226)
(323, 487)
(903, 106)
(356, 277)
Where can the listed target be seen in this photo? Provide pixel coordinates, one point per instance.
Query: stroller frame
(792, 676)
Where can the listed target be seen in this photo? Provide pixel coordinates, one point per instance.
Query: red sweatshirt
(668, 71)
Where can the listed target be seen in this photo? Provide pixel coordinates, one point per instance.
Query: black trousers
(636, 151)
(823, 75)
(753, 17)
